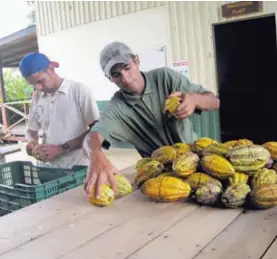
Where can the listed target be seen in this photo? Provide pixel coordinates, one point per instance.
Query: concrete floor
(121, 158)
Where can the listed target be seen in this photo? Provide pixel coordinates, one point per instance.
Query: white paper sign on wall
(152, 58)
(181, 67)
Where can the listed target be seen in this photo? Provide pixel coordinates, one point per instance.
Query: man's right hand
(100, 171)
(30, 146)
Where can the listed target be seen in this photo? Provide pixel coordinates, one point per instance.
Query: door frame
(239, 19)
(232, 21)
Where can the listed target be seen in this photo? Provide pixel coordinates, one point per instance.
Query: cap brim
(54, 64)
(112, 63)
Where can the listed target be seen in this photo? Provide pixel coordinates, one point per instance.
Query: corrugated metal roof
(13, 47)
(54, 16)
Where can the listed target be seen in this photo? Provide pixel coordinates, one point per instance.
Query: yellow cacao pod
(216, 148)
(185, 164)
(124, 186)
(235, 195)
(37, 155)
(207, 194)
(107, 196)
(199, 179)
(166, 188)
(238, 178)
(181, 148)
(239, 142)
(271, 146)
(201, 143)
(263, 176)
(230, 143)
(242, 142)
(168, 172)
(217, 166)
(171, 105)
(264, 196)
(142, 162)
(147, 171)
(164, 154)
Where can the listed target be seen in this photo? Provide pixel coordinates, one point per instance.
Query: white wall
(77, 49)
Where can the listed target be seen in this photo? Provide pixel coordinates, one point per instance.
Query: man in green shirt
(135, 111)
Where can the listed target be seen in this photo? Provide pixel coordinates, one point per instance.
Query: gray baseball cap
(114, 53)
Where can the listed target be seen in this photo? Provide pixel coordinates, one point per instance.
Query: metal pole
(3, 97)
(2, 84)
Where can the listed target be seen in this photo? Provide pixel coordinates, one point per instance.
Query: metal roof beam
(28, 33)
(15, 46)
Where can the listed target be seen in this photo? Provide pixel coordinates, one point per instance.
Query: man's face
(126, 76)
(43, 81)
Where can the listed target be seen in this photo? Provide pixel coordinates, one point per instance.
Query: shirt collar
(131, 98)
(64, 88)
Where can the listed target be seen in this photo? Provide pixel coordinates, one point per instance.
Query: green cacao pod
(185, 164)
(147, 171)
(142, 162)
(207, 194)
(216, 148)
(248, 158)
(196, 180)
(235, 195)
(164, 154)
(124, 186)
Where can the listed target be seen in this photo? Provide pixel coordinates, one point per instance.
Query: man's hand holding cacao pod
(30, 147)
(37, 154)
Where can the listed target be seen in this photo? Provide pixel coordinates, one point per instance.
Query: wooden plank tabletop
(67, 226)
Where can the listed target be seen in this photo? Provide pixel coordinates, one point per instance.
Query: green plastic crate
(22, 183)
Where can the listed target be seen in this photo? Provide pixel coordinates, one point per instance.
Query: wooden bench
(67, 226)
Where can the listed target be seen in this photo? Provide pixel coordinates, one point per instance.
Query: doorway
(246, 63)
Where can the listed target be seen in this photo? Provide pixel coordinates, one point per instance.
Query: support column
(3, 98)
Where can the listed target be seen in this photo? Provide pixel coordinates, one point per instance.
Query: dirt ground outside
(121, 158)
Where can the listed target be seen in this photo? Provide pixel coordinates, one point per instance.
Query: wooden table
(7, 150)
(67, 227)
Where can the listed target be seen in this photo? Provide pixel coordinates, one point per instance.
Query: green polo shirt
(139, 119)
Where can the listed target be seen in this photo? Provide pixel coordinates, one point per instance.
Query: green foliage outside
(32, 14)
(16, 87)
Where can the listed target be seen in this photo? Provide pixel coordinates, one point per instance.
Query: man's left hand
(48, 152)
(187, 105)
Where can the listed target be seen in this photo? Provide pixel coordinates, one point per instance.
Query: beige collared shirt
(63, 117)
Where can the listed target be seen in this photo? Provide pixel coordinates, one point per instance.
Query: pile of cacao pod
(237, 173)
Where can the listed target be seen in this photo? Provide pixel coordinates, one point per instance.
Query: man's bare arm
(79, 141)
(31, 136)
(206, 101)
(48, 152)
(100, 168)
(93, 141)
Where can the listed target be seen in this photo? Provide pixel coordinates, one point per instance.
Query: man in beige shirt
(62, 110)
